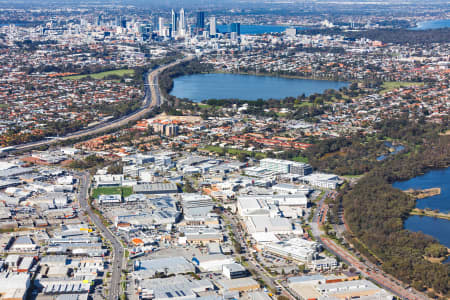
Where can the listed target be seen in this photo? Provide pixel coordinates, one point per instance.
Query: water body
(200, 87)
(257, 29)
(438, 228)
(436, 178)
(397, 149)
(435, 24)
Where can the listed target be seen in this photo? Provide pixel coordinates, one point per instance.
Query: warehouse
(172, 288)
(277, 225)
(156, 188)
(246, 284)
(14, 286)
(146, 269)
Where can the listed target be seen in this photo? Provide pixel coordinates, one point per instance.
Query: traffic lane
(383, 281)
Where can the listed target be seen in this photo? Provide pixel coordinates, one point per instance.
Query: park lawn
(392, 85)
(125, 191)
(301, 159)
(303, 103)
(102, 75)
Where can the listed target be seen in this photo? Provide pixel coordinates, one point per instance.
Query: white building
(14, 285)
(326, 181)
(109, 199)
(296, 249)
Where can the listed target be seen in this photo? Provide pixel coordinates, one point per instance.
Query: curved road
(152, 99)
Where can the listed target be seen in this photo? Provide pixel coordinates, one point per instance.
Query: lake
(435, 24)
(200, 87)
(257, 29)
(438, 228)
(435, 178)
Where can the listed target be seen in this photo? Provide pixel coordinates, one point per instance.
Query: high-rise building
(161, 26)
(182, 23)
(174, 23)
(99, 20)
(212, 26)
(200, 24)
(236, 27)
(123, 23)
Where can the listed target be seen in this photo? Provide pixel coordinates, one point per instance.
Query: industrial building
(172, 288)
(156, 188)
(145, 269)
(14, 286)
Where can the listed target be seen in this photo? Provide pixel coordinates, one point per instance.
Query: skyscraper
(174, 23)
(200, 24)
(123, 22)
(236, 27)
(212, 26)
(160, 26)
(182, 27)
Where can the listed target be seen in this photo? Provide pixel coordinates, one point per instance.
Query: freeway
(152, 99)
(118, 250)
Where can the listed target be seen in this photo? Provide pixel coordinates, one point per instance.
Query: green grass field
(231, 151)
(125, 191)
(392, 85)
(102, 75)
(301, 159)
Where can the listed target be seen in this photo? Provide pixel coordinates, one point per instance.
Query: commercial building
(326, 181)
(213, 263)
(255, 206)
(200, 22)
(109, 199)
(156, 188)
(296, 248)
(212, 26)
(233, 271)
(285, 166)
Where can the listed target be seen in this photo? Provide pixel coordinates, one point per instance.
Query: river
(200, 87)
(438, 228)
(434, 24)
(257, 29)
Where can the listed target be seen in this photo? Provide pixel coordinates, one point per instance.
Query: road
(118, 251)
(366, 269)
(252, 262)
(152, 99)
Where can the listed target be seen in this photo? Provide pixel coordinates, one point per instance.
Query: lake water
(435, 178)
(200, 87)
(438, 228)
(436, 24)
(257, 29)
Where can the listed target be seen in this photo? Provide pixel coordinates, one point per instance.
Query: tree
(436, 250)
